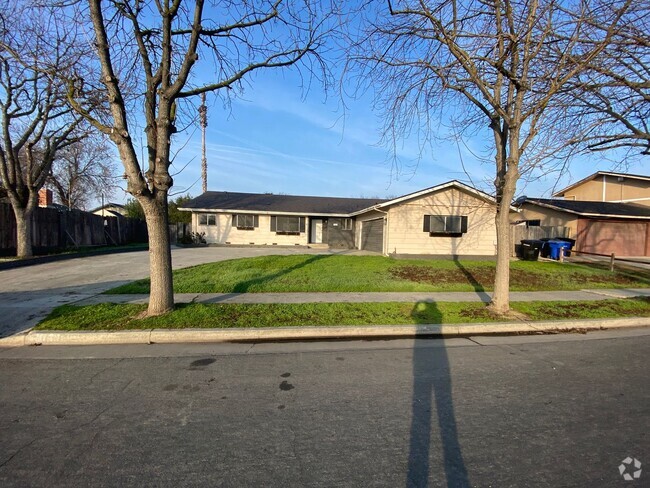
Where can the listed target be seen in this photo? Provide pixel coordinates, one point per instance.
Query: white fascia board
(626, 176)
(262, 212)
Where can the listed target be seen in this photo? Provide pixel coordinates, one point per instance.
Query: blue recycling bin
(554, 247)
(567, 252)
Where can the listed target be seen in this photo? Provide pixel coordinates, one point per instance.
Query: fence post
(561, 257)
(611, 263)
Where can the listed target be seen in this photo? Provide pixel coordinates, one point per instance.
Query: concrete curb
(170, 336)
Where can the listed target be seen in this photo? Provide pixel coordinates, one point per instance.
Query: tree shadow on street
(432, 395)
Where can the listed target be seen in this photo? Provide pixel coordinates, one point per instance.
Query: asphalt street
(549, 411)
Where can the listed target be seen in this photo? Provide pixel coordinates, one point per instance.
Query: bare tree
(499, 64)
(611, 108)
(83, 171)
(35, 120)
(154, 57)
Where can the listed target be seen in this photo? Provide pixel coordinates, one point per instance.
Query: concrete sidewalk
(372, 297)
(515, 327)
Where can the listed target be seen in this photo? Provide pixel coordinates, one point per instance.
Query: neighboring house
(448, 219)
(110, 210)
(605, 186)
(597, 227)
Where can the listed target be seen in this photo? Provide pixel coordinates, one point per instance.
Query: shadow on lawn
(469, 276)
(244, 286)
(432, 389)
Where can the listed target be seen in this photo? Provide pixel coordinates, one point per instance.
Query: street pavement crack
(8, 460)
(110, 366)
(294, 451)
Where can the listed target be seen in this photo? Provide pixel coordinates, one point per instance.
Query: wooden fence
(179, 231)
(54, 229)
(521, 232)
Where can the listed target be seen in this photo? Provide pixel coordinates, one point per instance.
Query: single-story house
(606, 186)
(110, 210)
(447, 219)
(597, 227)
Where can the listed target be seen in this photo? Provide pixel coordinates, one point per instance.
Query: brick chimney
(44, 197)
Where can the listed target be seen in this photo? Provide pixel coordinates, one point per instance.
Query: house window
(347, 224)
(281, 224)
(533, 223)
(245, 221)
(445, 224)
(207, 219)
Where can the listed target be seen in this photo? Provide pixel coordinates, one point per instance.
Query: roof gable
(444, 186)
(598, 174)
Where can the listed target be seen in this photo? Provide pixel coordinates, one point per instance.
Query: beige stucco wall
(224, 232)
(627, 190)
(549, 217)
(405, 220)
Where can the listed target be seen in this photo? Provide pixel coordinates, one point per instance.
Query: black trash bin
(545, 250)
(530, 249)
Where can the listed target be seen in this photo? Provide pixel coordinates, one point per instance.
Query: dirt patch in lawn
(574, 310)
(482, 277)
(477, 314)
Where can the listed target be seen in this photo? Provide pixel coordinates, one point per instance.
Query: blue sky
(274, 139)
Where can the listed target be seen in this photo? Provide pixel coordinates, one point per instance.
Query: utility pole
(203, 115)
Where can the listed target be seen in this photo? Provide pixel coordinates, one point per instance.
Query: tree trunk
(24, 247)
(500, 303)
(161, 298)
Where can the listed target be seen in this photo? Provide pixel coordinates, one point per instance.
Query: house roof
(108, 205)
(593, 209)
(270, 203)
(596, 175)
(307, 205)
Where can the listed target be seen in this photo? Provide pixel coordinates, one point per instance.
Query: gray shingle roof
(263, 202)
(588, 208)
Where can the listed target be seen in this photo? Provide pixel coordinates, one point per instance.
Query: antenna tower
(203, 118)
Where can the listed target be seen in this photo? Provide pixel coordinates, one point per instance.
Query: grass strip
(334, 273)
(109, 316)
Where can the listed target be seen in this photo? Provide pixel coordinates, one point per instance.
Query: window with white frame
(207, 219)
(285, 224)
(347, 224)
(453, 225)
(245, 221)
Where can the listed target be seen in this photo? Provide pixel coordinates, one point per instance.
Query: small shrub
(193, 238)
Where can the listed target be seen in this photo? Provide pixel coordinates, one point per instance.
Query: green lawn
(197, 315)
(335, 273)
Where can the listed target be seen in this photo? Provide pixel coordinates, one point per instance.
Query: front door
(316, 231)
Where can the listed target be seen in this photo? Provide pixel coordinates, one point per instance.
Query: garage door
(606, 237)
(372, 235)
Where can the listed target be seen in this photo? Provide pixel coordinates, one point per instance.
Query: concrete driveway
(29, 293)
